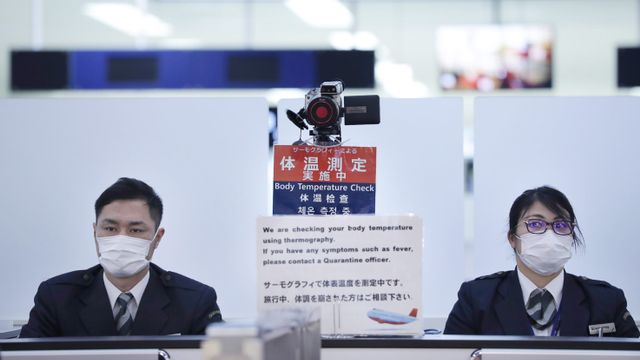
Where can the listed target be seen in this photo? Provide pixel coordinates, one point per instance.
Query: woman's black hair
(552, 199)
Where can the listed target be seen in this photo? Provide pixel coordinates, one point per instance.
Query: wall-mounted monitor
(39, 70)
(247, 67)
(628, 67)
(189, 69)
(132, 69)
(492, 57)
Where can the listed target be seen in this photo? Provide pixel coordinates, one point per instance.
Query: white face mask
(123, 256)
(545, 254)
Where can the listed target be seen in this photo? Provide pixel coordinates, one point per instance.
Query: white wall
(58, 155)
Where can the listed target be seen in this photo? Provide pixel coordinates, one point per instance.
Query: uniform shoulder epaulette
(588, 281)
(496, 275)
(172, 279)
(77, 277)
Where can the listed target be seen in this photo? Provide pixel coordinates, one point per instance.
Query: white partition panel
(588, 148)
(420, 171)
(206, 158)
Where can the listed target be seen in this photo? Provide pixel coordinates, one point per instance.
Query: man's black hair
(131, 189)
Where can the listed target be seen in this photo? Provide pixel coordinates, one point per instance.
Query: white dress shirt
(136, 291)
(554, 287)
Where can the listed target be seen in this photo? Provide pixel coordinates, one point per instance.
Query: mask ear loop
(95, 241)
(513, 242)
(153, 245)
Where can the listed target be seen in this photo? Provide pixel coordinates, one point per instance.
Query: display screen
(39, 70)
(492, 57)
(354, 68)
(133, 69)
(629, 67)
(253, 68)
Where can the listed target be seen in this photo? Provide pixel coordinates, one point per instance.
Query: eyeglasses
(539, 226)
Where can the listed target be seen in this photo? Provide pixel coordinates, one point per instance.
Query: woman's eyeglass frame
(553, 224)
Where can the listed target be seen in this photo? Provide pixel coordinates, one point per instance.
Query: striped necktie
(122, 315)
(541, 308)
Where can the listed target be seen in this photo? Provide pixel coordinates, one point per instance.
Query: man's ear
(159, 236)
(155, 242)
(95, 240)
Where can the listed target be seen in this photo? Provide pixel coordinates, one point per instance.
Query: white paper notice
(364, 272)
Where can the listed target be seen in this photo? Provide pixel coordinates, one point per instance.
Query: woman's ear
(512, 240)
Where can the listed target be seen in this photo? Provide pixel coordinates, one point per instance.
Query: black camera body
(323, 111)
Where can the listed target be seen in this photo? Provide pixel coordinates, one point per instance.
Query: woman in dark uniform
(539, 297)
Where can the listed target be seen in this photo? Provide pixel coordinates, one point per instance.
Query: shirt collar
(554, 287)
(113, 292)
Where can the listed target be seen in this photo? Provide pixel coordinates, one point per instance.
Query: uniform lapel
(152, 316)
(96, 313)
(574, 313)
(509, 307)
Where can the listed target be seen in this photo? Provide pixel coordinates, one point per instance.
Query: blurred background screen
(490, 57)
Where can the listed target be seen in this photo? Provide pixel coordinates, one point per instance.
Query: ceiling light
(360, 40)
(327, 14)
(397, 80)
(128, 19)
(341, 40)
(365, 40)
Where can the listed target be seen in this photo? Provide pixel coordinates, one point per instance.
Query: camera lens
(323, 111)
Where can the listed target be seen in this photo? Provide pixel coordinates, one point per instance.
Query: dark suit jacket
(493, 305)
(77, 304)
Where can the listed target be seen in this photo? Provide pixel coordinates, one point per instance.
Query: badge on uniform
(213, 313)
(600, 329)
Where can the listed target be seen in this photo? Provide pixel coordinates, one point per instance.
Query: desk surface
(428, 341)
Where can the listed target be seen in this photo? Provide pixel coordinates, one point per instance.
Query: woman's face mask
(546, 253)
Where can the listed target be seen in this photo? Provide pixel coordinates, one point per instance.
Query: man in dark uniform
(539, 297)
(125, 294)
